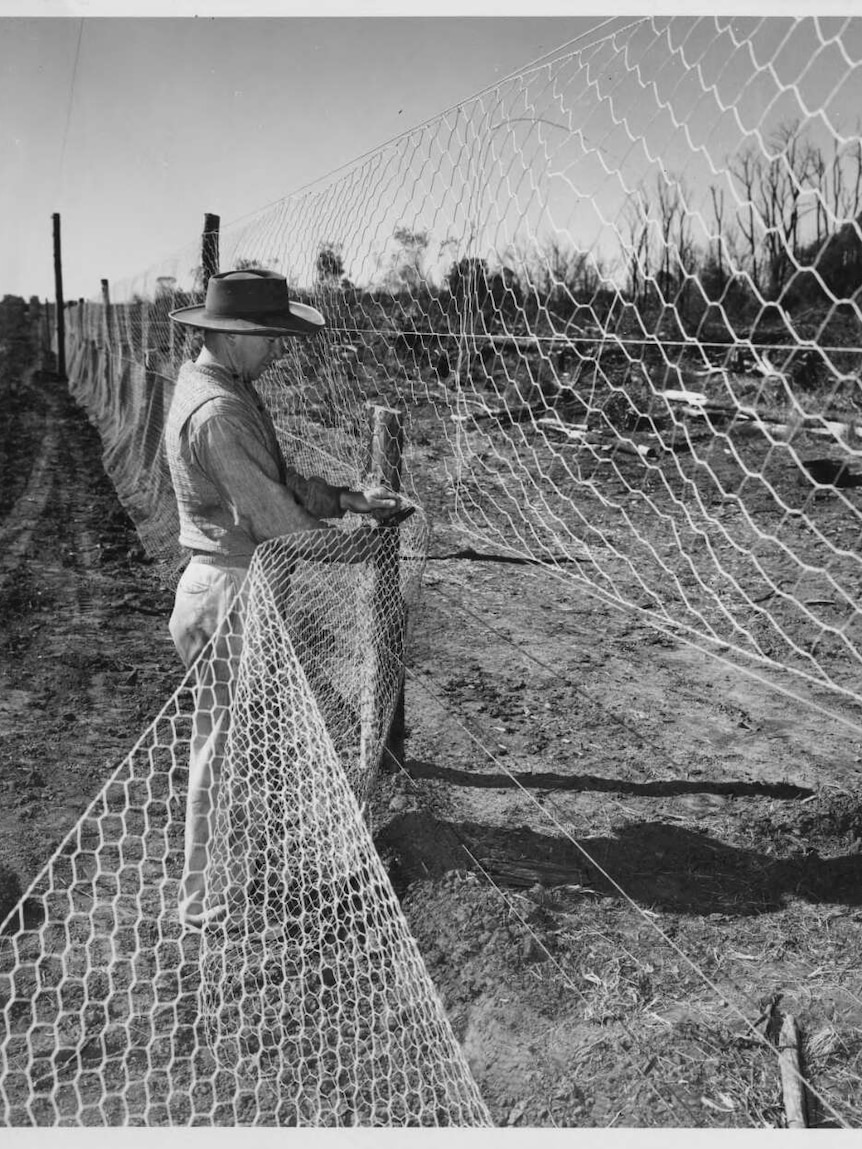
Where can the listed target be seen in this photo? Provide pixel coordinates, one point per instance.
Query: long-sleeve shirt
(233, 487)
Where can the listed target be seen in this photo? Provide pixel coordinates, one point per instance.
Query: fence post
(209, 247)
(173, 334)
(388, 610)
(145, 330)
(58, 292)
(106, 321)
(46, 327)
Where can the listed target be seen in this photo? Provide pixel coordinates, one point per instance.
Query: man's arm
(326, 501)
(247, 479)
(321, 499)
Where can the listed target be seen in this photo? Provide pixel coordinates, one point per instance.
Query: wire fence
(616, 298)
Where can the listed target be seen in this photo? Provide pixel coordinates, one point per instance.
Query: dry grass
(663, 1040)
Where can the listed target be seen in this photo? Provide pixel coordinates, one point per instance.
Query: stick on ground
(791, 1074)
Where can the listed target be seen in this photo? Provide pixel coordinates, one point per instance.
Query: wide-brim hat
(251, 302)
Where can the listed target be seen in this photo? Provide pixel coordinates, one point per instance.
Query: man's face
(254, 353)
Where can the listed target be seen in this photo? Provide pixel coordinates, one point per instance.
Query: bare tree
(678, 256)
(684, 246)
(782, 183)
(405, 271)
(746, 171)
(776, 200)
(717, 196)
(847, 179)
(667, 193)
(637, 250)
(819, 176)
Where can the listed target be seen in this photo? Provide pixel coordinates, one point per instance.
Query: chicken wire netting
(305, 1000)
(621, 290)
(617, 294)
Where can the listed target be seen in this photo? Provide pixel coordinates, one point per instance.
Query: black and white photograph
(430, 570)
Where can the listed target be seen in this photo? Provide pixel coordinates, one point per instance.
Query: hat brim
(300, 319)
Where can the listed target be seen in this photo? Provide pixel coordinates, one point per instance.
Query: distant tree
(746, 171)
(16, 330)
(246, 263)
(405, 272)
(838, 263)
(329, 264)
(820, 181)
(506, 292)
(166, 285)
(34, 311)
(493, 297)
(469, 278)
(670, 208)
(557, 278)
(636, 247)
(685, 251)
(779, 189)
(717, 256)
(13, 314)
(847, 178)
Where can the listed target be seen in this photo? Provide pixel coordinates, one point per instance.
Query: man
(235, 490)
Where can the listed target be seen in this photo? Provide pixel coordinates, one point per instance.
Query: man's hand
(376, 501)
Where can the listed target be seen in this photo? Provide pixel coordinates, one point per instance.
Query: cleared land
(728, 815)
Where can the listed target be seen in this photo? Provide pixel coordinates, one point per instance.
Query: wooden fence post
(173, 334)
(388, 610)
(209, 247)
(145, 329)
(58, 292)
(106, 314)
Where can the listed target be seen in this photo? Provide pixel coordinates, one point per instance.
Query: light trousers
(207, 627)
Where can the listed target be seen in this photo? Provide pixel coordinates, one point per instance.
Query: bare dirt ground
(85, 659)
(658, 849)
(622, 860)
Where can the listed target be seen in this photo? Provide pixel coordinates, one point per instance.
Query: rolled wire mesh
(314, 981)
(307, 1002)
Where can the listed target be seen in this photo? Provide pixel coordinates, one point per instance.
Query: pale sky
(133, 127)
(171, 118)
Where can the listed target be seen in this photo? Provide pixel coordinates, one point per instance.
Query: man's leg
(207, 629)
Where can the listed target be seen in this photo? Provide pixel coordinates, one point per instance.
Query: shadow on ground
(535, 780)
(661, 866)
